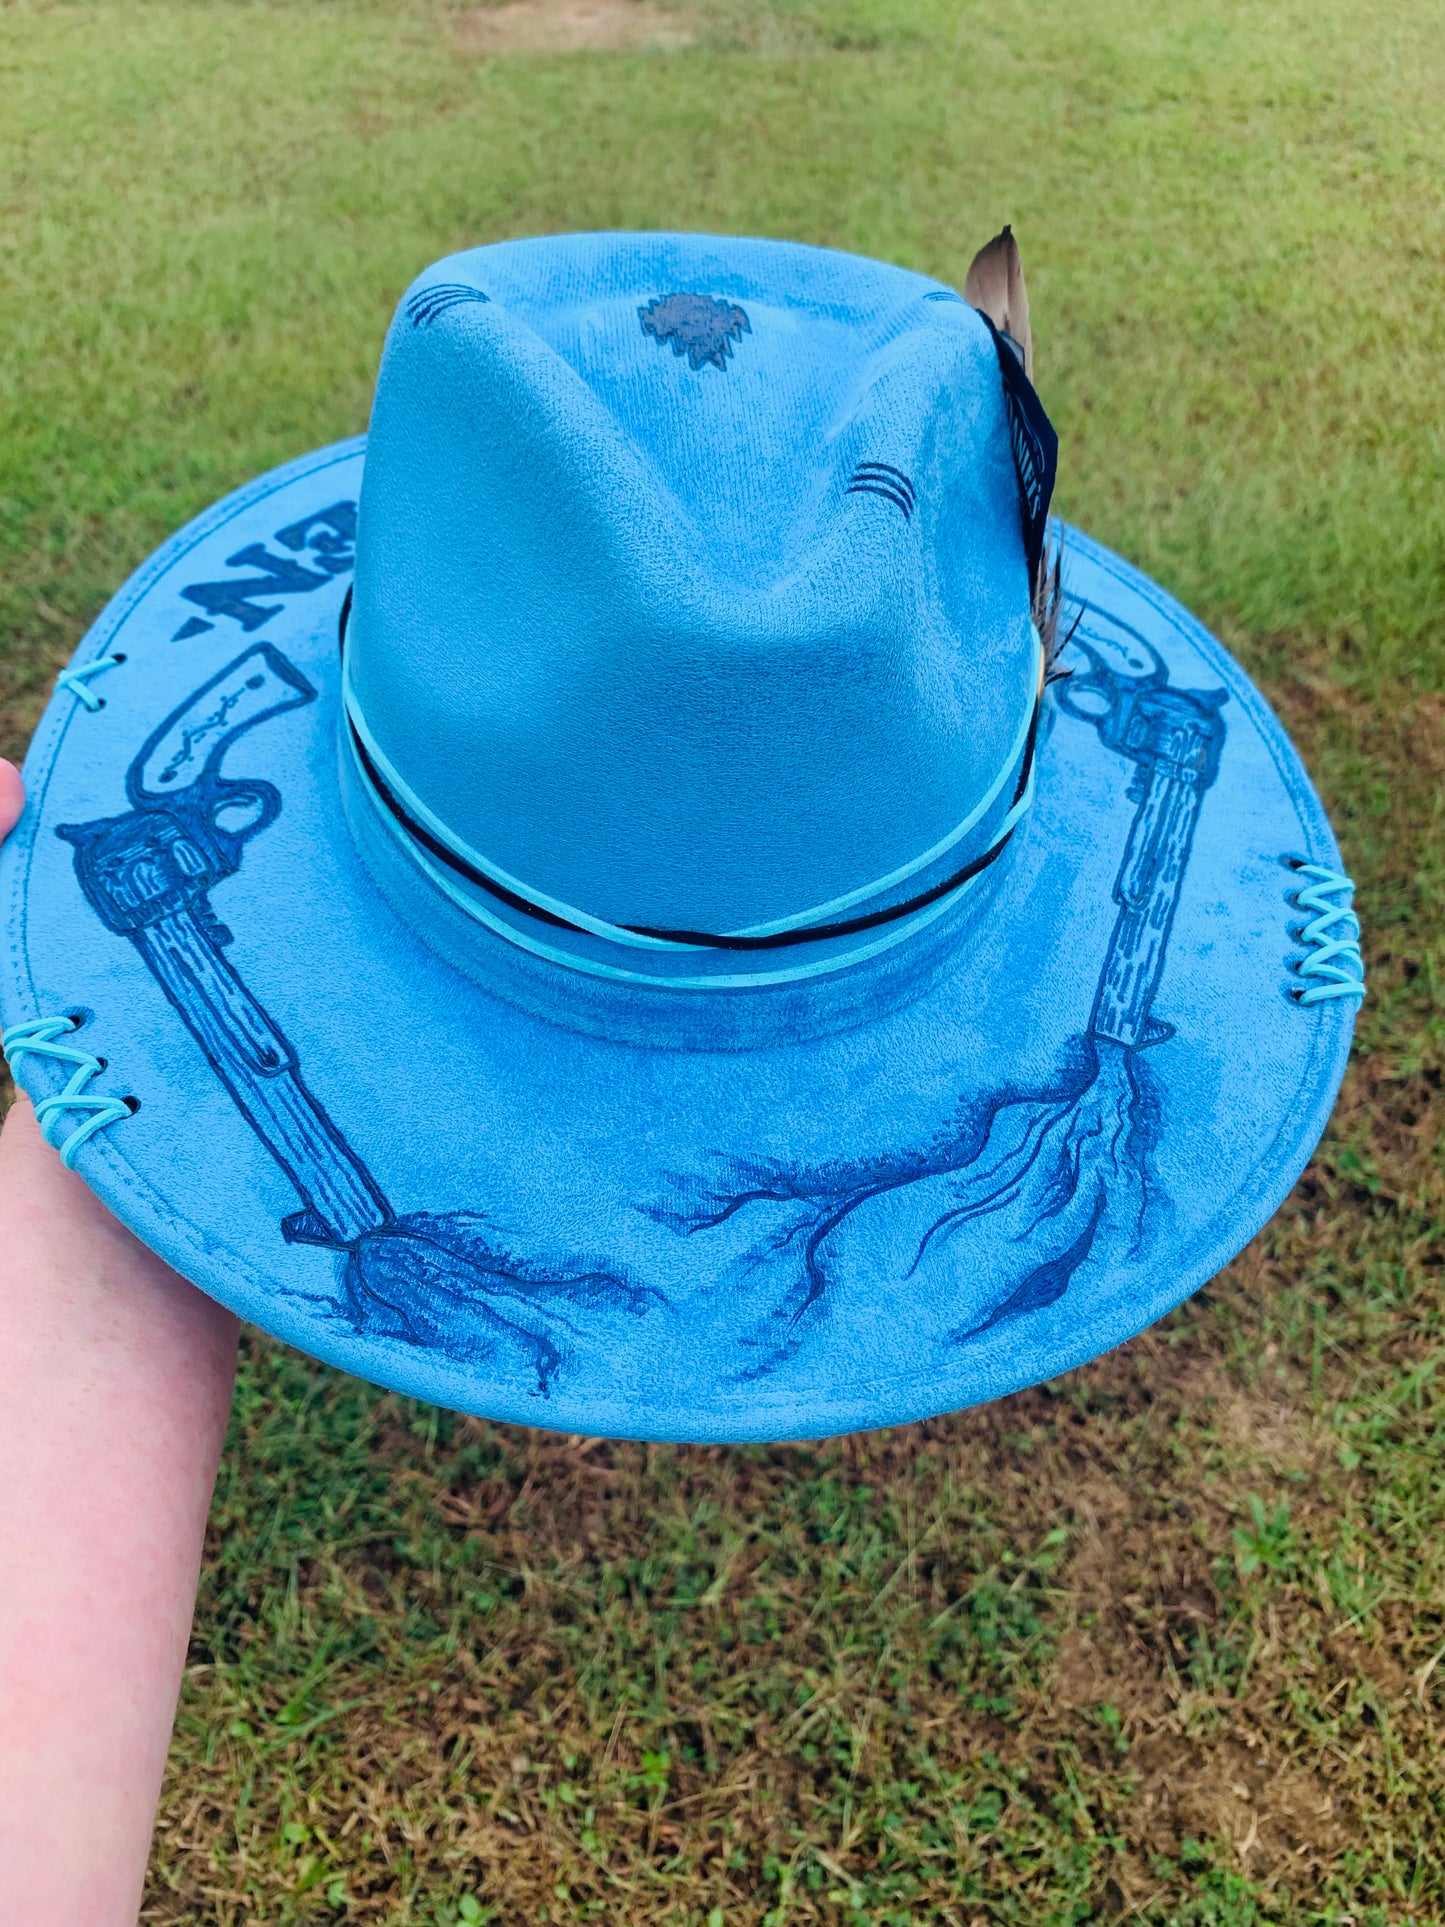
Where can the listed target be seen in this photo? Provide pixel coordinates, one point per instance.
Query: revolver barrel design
(1173, 737)
(148, 875)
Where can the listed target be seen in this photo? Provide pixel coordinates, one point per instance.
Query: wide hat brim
(967, 1194)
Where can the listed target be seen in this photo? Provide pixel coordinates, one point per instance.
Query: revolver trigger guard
(236, 809)
(1068, 689)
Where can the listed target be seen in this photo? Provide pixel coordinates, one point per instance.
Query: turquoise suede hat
(636, 900)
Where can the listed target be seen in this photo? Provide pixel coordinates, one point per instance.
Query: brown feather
(1048, 608)
(995, 283)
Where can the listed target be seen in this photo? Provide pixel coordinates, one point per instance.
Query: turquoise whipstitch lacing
(1334, 966)
(77, 681)
(38, 1038)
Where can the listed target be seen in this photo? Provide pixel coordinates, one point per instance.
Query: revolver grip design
(1034, 1177)
(1173, 738)
(148, 876)
(437, 1280)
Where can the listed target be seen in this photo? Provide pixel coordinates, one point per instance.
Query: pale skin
(115, 1384)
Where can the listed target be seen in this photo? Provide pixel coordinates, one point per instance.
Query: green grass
(1155, 1643)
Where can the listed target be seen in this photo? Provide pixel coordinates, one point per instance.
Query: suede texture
(623, 624)
(645, 622)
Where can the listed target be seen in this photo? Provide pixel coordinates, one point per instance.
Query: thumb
(12, 798)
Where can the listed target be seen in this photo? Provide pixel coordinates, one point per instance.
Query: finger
(12, 798)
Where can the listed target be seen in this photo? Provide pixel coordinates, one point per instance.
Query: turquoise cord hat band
(435, 850)
(693, 581)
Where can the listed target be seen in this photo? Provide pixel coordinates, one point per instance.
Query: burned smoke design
(696, 325)
(1051, 1171)
(447, 1281)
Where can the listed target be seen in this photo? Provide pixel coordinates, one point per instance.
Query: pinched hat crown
(692, 591)
(675, 1080)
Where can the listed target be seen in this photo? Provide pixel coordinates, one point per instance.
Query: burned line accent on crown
(424, 307)
(881, 478)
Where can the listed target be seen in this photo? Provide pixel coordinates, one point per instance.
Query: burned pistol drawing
(1174, 738)
(1039, 1173)
(437, 1279)
(148, 875)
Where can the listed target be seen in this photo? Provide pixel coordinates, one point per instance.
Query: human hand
(12, 798)
(115, 1383)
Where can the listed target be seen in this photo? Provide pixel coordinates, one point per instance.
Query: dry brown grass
(1161, 1636)
(573, 26)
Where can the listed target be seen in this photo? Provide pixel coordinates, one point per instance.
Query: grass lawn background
(1156, 1642)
